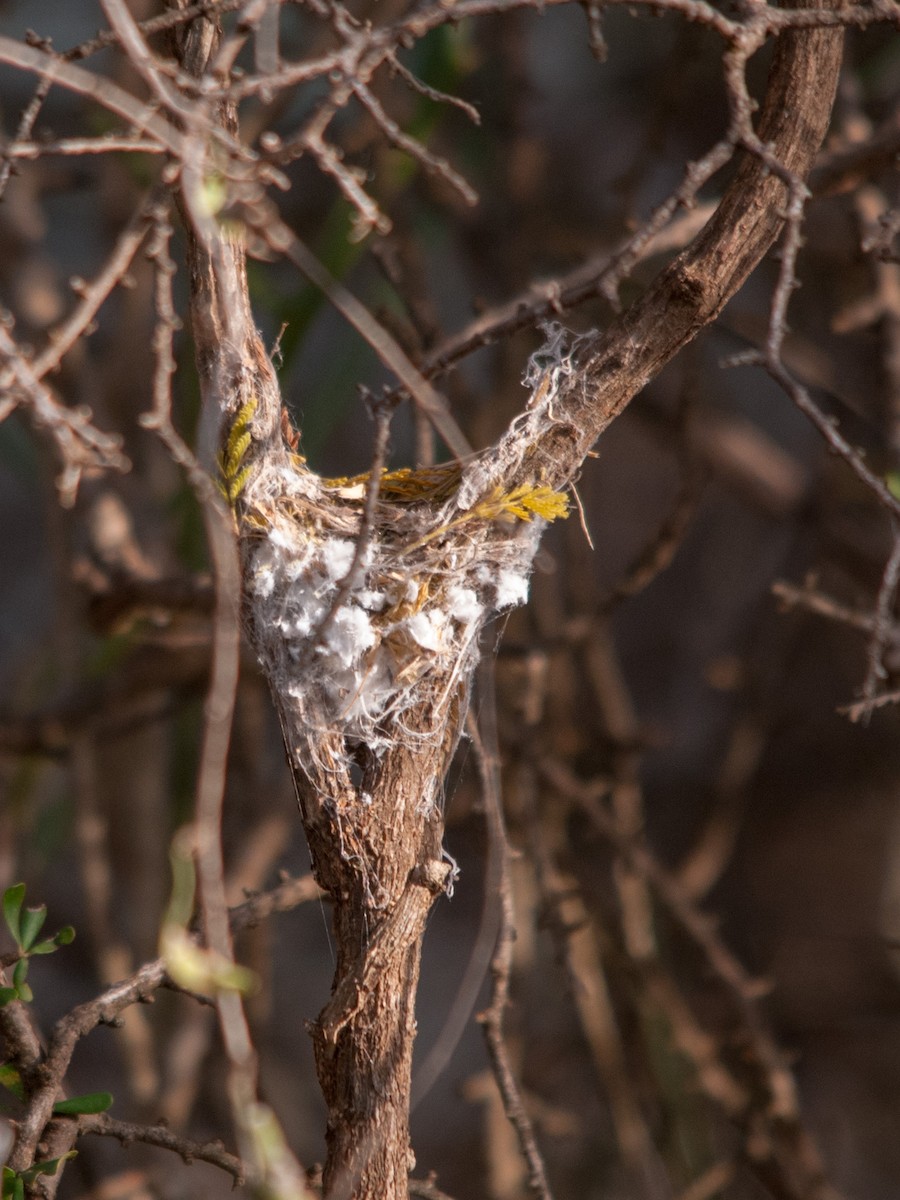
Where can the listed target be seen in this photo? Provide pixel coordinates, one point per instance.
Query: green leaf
(92, 1102)
(25, 994)
(7, 995)
(11, 1079)
(13, 1185)
(65, 936)
(32, 921)
(48, 1167)
(46, 947)
(13, 899)
(20, 973)
(892, 479)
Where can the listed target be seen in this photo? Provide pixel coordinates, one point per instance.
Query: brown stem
(382, 863)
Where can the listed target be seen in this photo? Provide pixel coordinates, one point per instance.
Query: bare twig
(786, 1149)
(80, 444)
(883, 623)
(492, 1018)
(63, 338)
(366, 527)
(280, 238)
(127, 1132)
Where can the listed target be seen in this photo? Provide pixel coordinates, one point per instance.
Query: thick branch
(690, 293)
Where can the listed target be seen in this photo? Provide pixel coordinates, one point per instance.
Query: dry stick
(19, 148)
(542, 302)
(64, 337)
(863, 709)
(26, 124)
(545, 301)
(491, 1019)
(825, 606)
(828, 428)
(242, 1085)
(387, 39)
(78, 147)
(489, 925)
(81, 445)
(431, 163)
(110, 953)
(661, 549)
(161, 23)
(574, 937)
(143, 61)
(283, 898)
(366, 527)
(159, 1135)
(66, 1034)
(109, 95)
(282, 239)
(882, 622)
(785, 1148)
(412, 81)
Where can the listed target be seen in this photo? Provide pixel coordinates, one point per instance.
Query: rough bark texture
(375, 830)
(364, 1037)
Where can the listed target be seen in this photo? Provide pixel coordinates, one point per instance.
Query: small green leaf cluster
(15, 1182)
(25, 925)
(89, 1104)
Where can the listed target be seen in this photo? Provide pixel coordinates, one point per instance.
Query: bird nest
(366, 603)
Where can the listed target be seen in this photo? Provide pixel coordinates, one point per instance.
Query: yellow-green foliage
(410, 485)
(231, 457)
(526, 501)
(407, 485)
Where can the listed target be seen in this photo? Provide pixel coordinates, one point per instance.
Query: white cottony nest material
(357, 644)
(396, 630)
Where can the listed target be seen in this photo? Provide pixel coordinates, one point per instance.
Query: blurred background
(686, 676)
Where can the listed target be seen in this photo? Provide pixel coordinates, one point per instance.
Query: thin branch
(76, 147)
(63, 338)
(279, 237)
(366, 526)
(417, 85)
(431, 163)
(55, 70)
(49, 1069)
(220, 702)
(145, 63)
(883, 623)
(822, 605)
(547, 300)
(787, 1146)
(492, 1018)
(127, 1132)
(80, 444)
